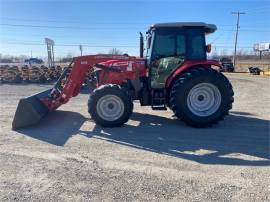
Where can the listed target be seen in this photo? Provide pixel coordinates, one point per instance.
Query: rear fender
(188, 65)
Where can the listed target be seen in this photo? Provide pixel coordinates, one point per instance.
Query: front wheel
(110, 105)
(201, 97)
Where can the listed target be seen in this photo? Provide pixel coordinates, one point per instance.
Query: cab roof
(208, 28)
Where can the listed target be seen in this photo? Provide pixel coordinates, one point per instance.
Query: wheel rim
(204, 99)
(110, 107)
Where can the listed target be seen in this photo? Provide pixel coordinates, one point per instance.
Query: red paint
(128, 68)
(187, 65)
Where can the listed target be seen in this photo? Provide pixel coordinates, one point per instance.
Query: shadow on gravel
(239, 140)
(56, 128)
(29, 84)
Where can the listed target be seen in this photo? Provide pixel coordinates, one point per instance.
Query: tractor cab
(169, 45)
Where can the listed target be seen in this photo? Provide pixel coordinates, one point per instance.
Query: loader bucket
(30, 110)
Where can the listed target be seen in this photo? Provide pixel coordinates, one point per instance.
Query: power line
(108, 22)
(107, 46)
(232, 47)
(79, 35)
(258, 8)
(101, 28)
(77, 43)
(64, 44)
(71, 45)
(262, 9)
(66, 27)
(71, 22)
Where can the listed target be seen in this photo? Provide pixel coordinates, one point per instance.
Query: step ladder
(158, 99)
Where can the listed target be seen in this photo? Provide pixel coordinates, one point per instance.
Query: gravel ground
(152, 158)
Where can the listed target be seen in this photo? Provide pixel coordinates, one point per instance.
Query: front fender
(187, 65)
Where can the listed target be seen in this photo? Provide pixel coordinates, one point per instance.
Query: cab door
(168, 53)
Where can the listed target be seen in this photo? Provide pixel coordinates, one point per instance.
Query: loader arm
(70, 82)
(67, 86)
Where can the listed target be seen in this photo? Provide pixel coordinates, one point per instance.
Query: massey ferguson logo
(83, 62)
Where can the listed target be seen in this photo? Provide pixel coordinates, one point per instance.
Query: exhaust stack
(141, 45)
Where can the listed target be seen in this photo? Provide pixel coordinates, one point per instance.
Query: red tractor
(174, 74)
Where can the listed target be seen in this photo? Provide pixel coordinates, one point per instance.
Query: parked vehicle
(226, 64)
(254, 70)
(32, 61)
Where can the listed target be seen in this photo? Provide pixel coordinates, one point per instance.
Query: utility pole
(53, 54)
(81, 49)
(236, 34)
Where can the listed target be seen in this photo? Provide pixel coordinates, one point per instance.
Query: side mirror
(208, 48)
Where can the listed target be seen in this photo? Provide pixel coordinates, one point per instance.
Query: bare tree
(223, 52)
(115, 51)
(12, 59)
(67, 58)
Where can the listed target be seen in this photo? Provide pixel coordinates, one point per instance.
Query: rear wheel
(201, 97)
(110, 105)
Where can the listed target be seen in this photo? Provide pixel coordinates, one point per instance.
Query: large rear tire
(110, 105)
(201, 97)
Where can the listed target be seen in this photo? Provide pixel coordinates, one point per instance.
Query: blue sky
(102, 25)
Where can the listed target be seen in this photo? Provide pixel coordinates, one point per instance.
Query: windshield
(169, 43)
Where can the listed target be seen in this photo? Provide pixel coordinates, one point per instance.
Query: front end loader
(175, 74)
(32, 109)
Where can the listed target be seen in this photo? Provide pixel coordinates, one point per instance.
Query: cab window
(180, 45)
(168, 43)
(196, 48)
(164, 45)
